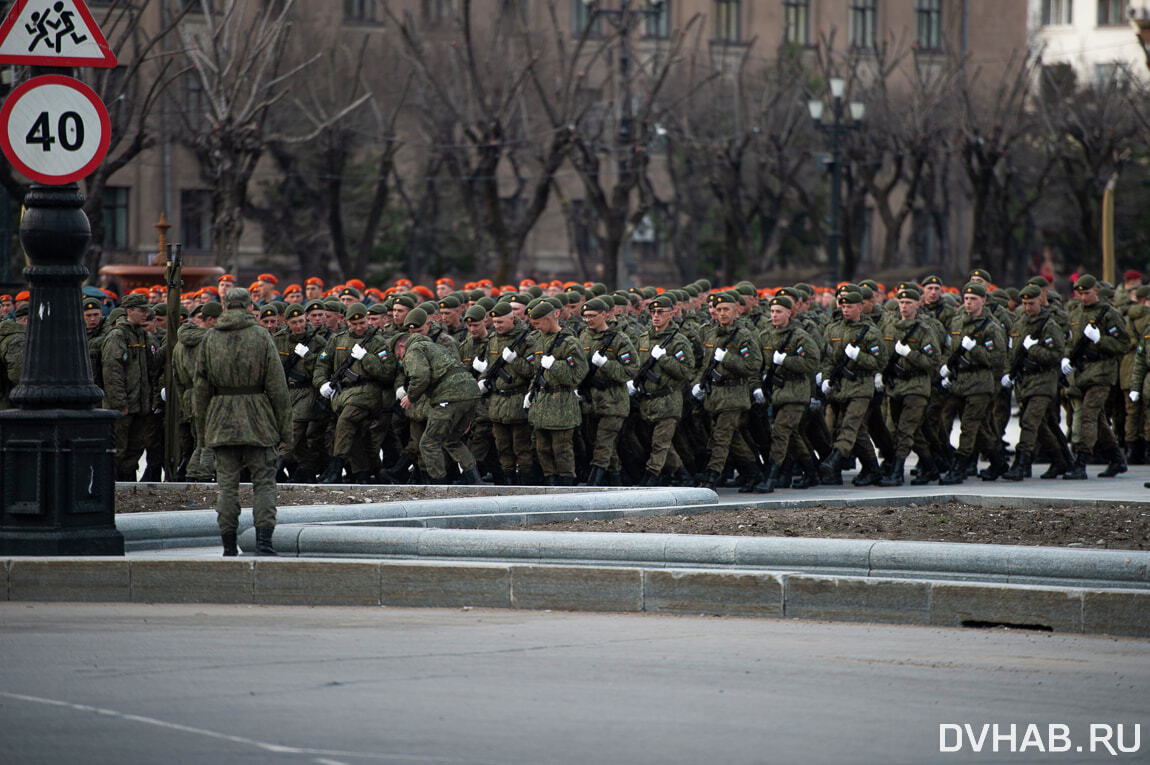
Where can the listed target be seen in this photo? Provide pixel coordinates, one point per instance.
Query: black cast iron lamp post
(836, 128)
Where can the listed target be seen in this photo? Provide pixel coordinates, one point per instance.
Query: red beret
(292, 288)
(5, 298)
(355, 283)
(226, 278)
(268, 278)
(314, 280)
(22, 296)
(445, 280)
(1132, 274)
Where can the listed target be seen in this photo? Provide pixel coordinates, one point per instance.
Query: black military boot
(1020, 468)
(400, 471)
(231, 549)
(334, 472)
(958, 472)
(650, 479)
(615, 478)
(1138, 452)
(1059, 465)
(152, 474)
(709, 480)
(597, 477)
(927, 471)
(1077, 471)
(749, 475)
(302, 475)
(786, 470)
(471, 477)
(682, 478)
(1117, 463)
(264, 541)
(767, 485)
(831, 471)
(998, 466)
(871, 472)
(808, 477)
(896, 475)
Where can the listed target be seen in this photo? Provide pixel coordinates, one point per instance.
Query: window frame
(360, 12)
(584, 19)
(863, 23)
(792, 9)
(731, 30)
(657, 26)
(1063, 9)
(117, 204)
(928, 24)
(1107, 17)
(196, 198)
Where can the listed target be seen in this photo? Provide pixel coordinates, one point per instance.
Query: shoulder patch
(323, 353)
(744, 351)
(1113, 331)
(927, 348)
(680, 355)
(874, 350)
(989, 343)
(382, 354)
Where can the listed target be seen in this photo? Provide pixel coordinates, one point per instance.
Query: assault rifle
(647, 372)
(293, 374)
(1084, 349)
(1022, 363)
(841, 368)
(712, 374)
(770, 379)
(590, 379)
(894, 368)
(496, 370)
(540, 382)
(955, 359)
(344, 373)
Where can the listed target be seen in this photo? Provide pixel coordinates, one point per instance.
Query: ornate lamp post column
(836, 129)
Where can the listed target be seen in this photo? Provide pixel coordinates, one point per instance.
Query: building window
(195, 104)
(1056, 12)
(196, 218)
(658, 23)
(116, 217)
(797, 21)
(928, 24)
(728, 20)
(436, 13)
(1111, 75)
(1111, 13)
(863, 22)
(359, 11)
(198, 6)
(584, 20)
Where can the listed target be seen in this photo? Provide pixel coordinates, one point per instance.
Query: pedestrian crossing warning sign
(53, 33)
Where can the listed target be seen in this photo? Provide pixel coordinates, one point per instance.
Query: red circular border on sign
(68, 82)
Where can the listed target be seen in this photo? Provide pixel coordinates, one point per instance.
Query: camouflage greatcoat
(507, 383)
(299, 370)
(241, 395)
(12, 335)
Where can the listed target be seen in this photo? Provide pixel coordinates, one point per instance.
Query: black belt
(730, 384)
(249, 390)
(661, 394)
(510, 391)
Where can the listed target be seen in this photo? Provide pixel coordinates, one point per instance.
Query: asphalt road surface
(235, 684)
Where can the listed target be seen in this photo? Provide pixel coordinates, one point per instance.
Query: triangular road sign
(53, 33)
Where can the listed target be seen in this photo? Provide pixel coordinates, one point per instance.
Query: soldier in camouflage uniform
(126, 362)
(241, 403)
(473, 354)
(12, 335)
(605, 403)
(184, 358)
(557, 366)
(299, 345)
(504, 381)
(1137, 325)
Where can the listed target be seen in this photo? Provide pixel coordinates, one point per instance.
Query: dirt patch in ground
(1118, 527)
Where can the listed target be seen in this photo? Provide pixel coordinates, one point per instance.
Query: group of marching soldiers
(690, 386)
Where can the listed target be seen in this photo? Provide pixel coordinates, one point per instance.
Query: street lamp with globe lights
(836, 128)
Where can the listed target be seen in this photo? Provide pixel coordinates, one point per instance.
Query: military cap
(1105, 284)
(115, 314)
(576, 288)
(378, 309)
(596, 305)
(449, 302)
(908, 285)
(782, 300)
(663, 301)
(161, 309)
(932, 279)
(618, 299)
(534, 290)
(1012, 293)
(349, 291)
(746, 288)
(1030, 292)
(515, 297)
(406, 299)
(805, 288)
(499, 309)
(1085, 282)
(790, 293)
(475, 313)
(1106, 293)
(1132, 274)
(648, 293)
(565, 298)
(23, 309)
(92, 302)
(355, 311)
(415, 318)
(722, 297)
(974, 288)
(981, 273)
(314, 305)
(870, 284)
(704, 285)
(1143, 292)
(197, 309)
(850, 296)
(554, 301)
(847, 287)
(541, 309)
(1038, 281)
(692, 290)
(334, 306)
(269, 310)
(486, 302)
(598, 289)
(907, 293)
(138, 301)
(294, 311)
(279, 305)
(866, 292)
(476, 294)
(212, 310)
(268, 278)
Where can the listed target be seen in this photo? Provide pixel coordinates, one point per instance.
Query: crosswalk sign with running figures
(53, 33)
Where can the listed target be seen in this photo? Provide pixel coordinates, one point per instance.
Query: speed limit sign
(54, 129)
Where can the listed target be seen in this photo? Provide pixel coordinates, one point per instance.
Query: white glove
(852, 351)
(944, 371)
(825, 387)
(1092, 332)
(779, 358)
(400, 392)
(1006, 381)
(547, 361)
(878, 380)
(697, 391)
(509, 355)
(757, 393)
(598, 359)
(479, 365)
(163, 394)
(357, 352)
(1029, 342)
(631, 389)
(818, 378)
(720, 354)
(326, 390)
(482, 387)
(902, 349)
(658, 352)
(946, 383)
(527, 401)
(968, 342)
(1067, 367)
(301, 350)
(578, 396)
(1135, 395)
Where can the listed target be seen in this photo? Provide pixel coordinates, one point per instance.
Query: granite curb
(685, 590)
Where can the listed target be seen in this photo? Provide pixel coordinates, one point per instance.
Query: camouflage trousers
(787, 435)
(907, 414)
(133, 433)
(1091, 427)
(515, 446)
(663, 454)
(605, 437)
(261, 463)
(1034, 424)
(443, 433)
(353, 443)
(556, 451)
(727, 440)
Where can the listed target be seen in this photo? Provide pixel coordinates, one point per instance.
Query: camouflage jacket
(126, 361)
(661, 389)
(553, 403)
(789, 382)
(434, 375)
(604, 389)
(731, 379)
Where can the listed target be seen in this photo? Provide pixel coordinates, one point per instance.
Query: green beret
(415, 318)
(197, 309)
(932, 279)
(981, 273)
(870, 284)
(1038, 281)
(212, 310)
(974, 288)
(406, 299)
(134, 300)
(866, 292)
(782, 300)
(596, 305)
(1030, 292)
(578, 289)
(476, 294)
(1012, 292)
(723, 297)
(853, 297)
(541, 309)
(114, 314)
(1085, 282)
(333, 305)
(566, 298)
(475, 313)
(449, 302)
(535, 291)
(486, 303)
(355, 311)
(430, 307)
(598, 289)
(92, 302)
(161, 309)
(746, 288)
(663, 301)
(269, 310)
(704, 285)
(294, 311)
(847, 287)
(24, 308)
(500, 309)
(1106, 293)
(554, 301)
(376, 309)
(314, 305)
(806, 289)
(692, 290)
(648, 293)
(790, 293)
(1142, 292)
(617, 299)
(908, 293)
(515, 297)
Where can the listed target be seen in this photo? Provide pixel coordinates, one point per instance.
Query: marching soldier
(558, 366)
(299, 347)
(505, 380)
(613, 362)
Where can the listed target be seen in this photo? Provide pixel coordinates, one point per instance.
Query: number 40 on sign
(55, 129)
